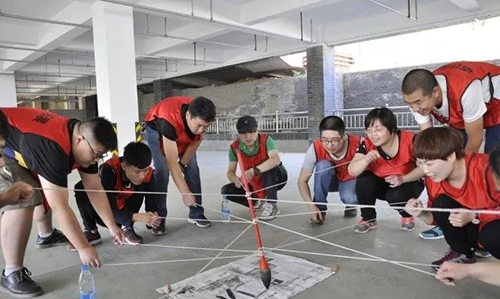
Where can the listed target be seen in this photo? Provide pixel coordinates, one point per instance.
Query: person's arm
(171, 155)
(397, 180)
(99, 201)
(473, 110)
(57, 198)
(19, 192)
(305, 192)
(360, 162)
(273, 161)
(489, 273)
(190, 151)
(231, 174)
(474, 132)
(414, 206)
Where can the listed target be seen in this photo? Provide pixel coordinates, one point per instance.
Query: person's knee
(324, 166)
(489, 238)
(444, 201)
(349, 198)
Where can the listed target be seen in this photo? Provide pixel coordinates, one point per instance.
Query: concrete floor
(57, 270)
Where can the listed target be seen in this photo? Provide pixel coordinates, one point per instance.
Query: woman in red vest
(456, 180)
(385, 169)
(263, 168)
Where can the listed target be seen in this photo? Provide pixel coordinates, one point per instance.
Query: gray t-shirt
(5, 179)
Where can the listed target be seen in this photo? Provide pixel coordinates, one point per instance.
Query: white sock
(10, 269)
(46, 235)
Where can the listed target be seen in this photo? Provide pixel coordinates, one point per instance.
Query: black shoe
(201, 221)
(19, 284)
(57, 238)
(92, 238)
(350, 212)
(131, 237)
(160, 231)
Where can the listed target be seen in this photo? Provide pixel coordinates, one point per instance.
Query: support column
(320, 87)
(162, 89)
(114, 50)
(8, 97)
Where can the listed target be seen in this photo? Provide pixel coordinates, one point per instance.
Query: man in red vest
(464, 95)
(263, 169)
(10, 194)
(42, 149)
(129, 175)
(334, 147)
(175, 128)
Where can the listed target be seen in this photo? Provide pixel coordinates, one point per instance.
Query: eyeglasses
(97, 154)
(333, 141)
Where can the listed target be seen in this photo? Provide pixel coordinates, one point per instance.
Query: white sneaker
(270, 212)
(258, 205)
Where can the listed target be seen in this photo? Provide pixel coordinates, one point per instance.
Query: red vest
(459, 75)
(341, 171)
(169, 109)
(42, 123)
(478, 191)
(250, 162)
(121, 198)
(401, 164)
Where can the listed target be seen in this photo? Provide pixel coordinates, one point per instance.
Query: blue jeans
(326, 181)
(492, 137)
(162, 175)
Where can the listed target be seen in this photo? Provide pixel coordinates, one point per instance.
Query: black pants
(91, 218)
(369, 187)
(465, 239)
(271, 177)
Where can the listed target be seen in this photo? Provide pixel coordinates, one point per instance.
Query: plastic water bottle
(224, 211)
(86, 283)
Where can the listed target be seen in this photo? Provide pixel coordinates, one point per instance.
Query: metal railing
(354, 118)
(276, 122)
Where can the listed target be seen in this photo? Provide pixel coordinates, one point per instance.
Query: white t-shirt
(473, 100)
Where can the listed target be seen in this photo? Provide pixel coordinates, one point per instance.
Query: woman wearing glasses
(385, 169)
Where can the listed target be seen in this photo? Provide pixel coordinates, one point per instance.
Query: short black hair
(137, 154)
(438, 143)
(203, 108)
(386, 118)
(419, 79)
(101, 131)
(332, 123)
(4, 126)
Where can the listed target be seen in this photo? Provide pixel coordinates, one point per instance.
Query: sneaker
(350, 212)
(269, 213)
(258, 205)
(57, 238)
(131, 237)
(19, 284)
(365, 226)
(160, 231)
(407, 224)
(481, 253)
(201, 221)
(453, 256)
(93, 238)
(434, 233)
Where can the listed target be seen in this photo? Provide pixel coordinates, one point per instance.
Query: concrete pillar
(321, 93)
(8, 97)
(91, 107)
(114, 50)
(162, 89)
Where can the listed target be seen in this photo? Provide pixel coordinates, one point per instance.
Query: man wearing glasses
(42, 149)
(175, 127)
(264, 171)
(129, 176)
(334, 147)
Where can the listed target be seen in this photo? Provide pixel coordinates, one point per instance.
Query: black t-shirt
(166, 129)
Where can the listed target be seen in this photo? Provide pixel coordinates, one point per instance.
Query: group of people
(41, 148)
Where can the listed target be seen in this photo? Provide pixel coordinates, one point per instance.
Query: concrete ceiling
(49, 44)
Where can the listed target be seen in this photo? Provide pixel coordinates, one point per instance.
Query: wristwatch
(182, 165)
(256, 170)
(476, 220)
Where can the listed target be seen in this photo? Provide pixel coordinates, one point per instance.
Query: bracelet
(182, 164)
